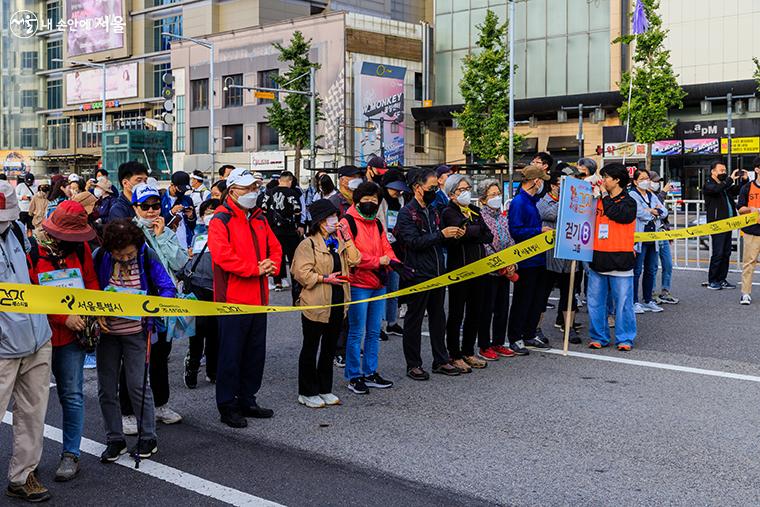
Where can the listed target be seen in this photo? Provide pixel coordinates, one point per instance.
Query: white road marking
(650, 364)
(166, 473)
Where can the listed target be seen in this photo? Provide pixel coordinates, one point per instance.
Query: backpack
(33, 254)
(104, 205)
(352, 225)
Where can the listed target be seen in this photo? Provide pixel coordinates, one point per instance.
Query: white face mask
(465, 198)
(654, 187)
(331, 224)
(98, 192)
(751, 175)
(248, 201)
(145, 222)
(354, 184)
(494, 202)
(643, 185)
(4, 226)
(207, 219)
(539, 187)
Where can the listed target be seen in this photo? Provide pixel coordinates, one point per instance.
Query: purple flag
(640, 21)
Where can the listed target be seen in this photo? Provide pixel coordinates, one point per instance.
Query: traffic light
(167, 92)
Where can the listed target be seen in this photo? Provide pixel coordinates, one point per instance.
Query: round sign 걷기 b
(585, 233)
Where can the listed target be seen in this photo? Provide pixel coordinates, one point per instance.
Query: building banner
(700, 146)
(740, 145)
(379, 99)
(94, 26)
(575, 221)
(667, 148)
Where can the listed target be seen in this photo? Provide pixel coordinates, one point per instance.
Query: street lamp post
(729, 98)
(102, 67)
(210, 46)
(511, 96)
(580, 108)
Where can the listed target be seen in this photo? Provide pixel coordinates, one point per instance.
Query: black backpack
(352, 225)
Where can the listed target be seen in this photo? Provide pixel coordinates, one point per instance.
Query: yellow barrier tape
(25, 298)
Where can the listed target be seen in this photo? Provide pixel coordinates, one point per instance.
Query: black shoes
(447, 369)
(144, 448)
(233, 418)
(358, 386)
(518, 348)
(725, 284)
(395, 329)
(383, 336)
(191, 379)
(113, 451)
(257, 412)
(378, 382)
(417, 373)
(339, 361)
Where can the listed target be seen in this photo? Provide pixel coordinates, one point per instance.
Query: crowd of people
(358, 237)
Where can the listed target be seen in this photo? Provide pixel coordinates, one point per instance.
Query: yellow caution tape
(25, 298)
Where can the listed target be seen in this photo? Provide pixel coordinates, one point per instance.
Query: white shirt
(23, 190)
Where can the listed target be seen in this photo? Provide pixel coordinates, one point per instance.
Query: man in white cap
(25, 354)
(199, 191)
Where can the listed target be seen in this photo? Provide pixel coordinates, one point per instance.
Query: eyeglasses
(460, 190)
(156, 206)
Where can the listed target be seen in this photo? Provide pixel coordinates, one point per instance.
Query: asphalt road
(539, 430)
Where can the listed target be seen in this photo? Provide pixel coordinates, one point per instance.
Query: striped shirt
(127, 276)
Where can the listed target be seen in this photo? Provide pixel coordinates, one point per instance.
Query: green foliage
(655, 87)
(756, 74)
(485, 90)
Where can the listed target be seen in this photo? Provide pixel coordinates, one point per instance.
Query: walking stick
(142, 401)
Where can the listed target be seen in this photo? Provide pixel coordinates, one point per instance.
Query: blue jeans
(364, 321)
(666, 259)
(646, 261)
(391, 305)
(621, 289)
(68, 368)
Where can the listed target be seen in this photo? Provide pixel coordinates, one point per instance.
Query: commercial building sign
(379, 102)
(666, 148)
(705, 146)
(94, 26)
(84, 86)
(740, 145)
(627, 150)
(268, 161)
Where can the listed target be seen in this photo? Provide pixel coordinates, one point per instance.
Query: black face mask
(367, 209)
(428, 196)
(723, 176)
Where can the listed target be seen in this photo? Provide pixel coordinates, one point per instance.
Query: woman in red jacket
(244, 252)
(62, 245)
(367, 280)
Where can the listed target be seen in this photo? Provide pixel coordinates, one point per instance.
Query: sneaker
(278, 287)
(377, 382)
(191, 379)
(460, 365)
(541, 336)
(624, 347)
(518, 348)
(574, 337)
(638, 308)
(725, 284)
(232, 418)
(579, 301)
(68, 468)
(256, 412)
(714, 286)
(488, 354)
(746, 299)
(595, 345)
(667, 298)
(358, 386)
(144, 449)
(536, 343)
(383, 336)
(32, 490)
(330, 399)
(167, 416)
(550, 306)
(113, 451)
(652, 307)
(447, 369)
(90, 362)
(395, 329)
(475, 362)
(311, 401)
(129, 425)
(418, 373)
(503, 351)
(611, 321)
(339, 361)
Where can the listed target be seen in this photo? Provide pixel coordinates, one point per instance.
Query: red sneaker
(488, 354)
(503, 351)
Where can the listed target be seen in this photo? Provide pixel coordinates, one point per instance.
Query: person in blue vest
(178, 210)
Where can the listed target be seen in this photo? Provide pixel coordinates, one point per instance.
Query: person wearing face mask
(349, 178)
(198, 276)
(24, 193)
(38, 206)
(664, 246)
(199, 191)
(649, 213)
(465, 298)
(719, 191)
(376, 169)
(131, 174)
(312, 193)
(368, 280)
(245, 252)
(57, 193)
(749, 202)
(421, 238)
(492, 332)
(528, 296)
(178, 209)
(283, 211)
(321, 266)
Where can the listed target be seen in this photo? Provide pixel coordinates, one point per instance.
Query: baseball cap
(143, 192)
(241, 178)
(532, 172)
(8, 202)
(442, 169)
(348, 170)
(258, 176)
(378, 163)
(74, 177)
(181, 180)
(654, 176)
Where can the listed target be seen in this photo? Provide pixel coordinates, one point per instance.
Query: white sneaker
(167, 416)
(652, 307)
(129, 424)
(311, 401)
(638, 308)
(330, 399)
(746, 299)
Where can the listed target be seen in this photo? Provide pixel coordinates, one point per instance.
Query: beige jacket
(313, 260)
(38, 208)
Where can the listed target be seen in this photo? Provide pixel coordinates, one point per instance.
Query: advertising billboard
(94, 26)
(666, 148)
(740, 145)
(379, 99)
(700, 146)
(87, 85)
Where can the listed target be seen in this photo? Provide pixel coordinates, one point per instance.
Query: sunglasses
(156, 206)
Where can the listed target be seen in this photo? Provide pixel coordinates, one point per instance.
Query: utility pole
(511, 167)
(580, 108)
(729, 131)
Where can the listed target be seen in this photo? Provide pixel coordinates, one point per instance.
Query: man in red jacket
(244, 252)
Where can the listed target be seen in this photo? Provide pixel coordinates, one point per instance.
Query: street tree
(485, 89)
(655, 86)
(291, 117)
(756, 74)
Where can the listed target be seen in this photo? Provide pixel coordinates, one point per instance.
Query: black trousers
(159, 376)
(315, 374)
(289, 242)
(240, 369)
(563, 282)
(720, 258)
(465, 303)
(205, 340)
(528, 302)
(340, 347)
(493, 321)
(416, 304)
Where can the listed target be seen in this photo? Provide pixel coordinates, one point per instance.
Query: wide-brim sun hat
(69, 223)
